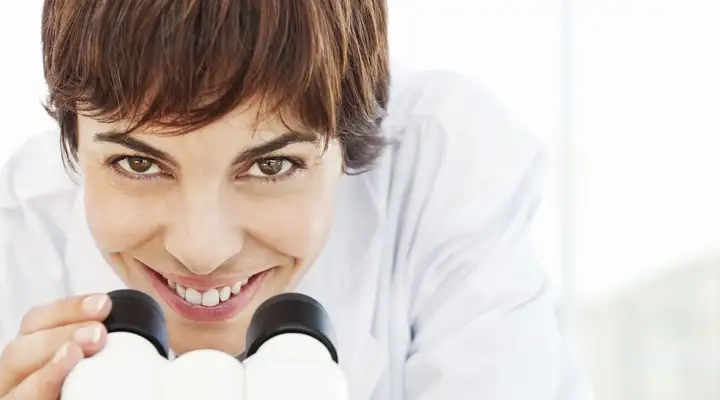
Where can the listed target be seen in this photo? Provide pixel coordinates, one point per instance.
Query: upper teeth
(209, 298)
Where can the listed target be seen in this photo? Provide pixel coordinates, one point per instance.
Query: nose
(202, 236)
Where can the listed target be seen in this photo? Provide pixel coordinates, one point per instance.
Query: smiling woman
(228, 151)
(125, 119)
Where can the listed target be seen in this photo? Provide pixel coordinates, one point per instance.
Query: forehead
(248, 124)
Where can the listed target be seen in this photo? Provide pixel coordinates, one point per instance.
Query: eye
(271, 167)
(138, 166)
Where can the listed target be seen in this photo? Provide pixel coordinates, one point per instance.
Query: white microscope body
(290, 355)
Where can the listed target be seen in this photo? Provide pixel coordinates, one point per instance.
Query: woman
(223, 152)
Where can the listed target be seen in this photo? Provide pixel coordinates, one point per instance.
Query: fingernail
(88, 335)
(61, 353)
(93, 304)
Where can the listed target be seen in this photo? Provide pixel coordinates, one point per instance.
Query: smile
(212, 297)
(208, 305)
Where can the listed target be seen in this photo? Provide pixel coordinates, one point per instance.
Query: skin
(202, 214)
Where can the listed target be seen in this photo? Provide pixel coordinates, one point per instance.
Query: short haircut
(181, 64)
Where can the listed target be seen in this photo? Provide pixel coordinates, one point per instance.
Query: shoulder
(35, 171)
(460, 174)
(37, 194)
(457, 102)
(448, 130)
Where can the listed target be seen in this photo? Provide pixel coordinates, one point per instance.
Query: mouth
(211, 305)
(211, 297)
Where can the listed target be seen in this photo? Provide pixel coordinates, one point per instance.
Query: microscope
(290, 354)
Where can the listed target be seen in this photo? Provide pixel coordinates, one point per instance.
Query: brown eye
(138, 166)
(272, 166)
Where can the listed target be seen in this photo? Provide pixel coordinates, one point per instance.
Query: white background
(626, 96)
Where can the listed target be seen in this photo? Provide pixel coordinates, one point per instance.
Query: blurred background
(626, 96)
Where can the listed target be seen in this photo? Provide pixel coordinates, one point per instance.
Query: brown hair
(182, 64)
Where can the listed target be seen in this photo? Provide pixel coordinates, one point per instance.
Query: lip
(221, 312)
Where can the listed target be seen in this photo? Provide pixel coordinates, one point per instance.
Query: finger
(72, 310)
(46, 383)
(27, 354)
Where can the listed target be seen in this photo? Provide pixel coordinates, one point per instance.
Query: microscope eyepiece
(138, 313)
(290, 313)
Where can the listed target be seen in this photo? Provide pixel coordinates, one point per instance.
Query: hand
(52, 339)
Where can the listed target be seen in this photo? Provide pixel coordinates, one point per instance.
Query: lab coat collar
(331, 280)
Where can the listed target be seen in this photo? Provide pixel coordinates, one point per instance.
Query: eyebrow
(274, 144)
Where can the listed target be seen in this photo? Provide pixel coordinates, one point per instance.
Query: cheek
(118, 221)
(296, 225)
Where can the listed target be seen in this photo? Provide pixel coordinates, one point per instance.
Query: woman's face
(210, 223)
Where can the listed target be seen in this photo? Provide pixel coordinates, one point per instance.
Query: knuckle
(28, 321)
(10, 355)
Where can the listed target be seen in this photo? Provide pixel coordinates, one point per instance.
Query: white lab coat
(428, 273)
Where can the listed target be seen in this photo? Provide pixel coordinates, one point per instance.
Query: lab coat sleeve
(35, 196)
(482, 315)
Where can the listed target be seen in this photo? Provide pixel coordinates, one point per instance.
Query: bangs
(179, 65)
